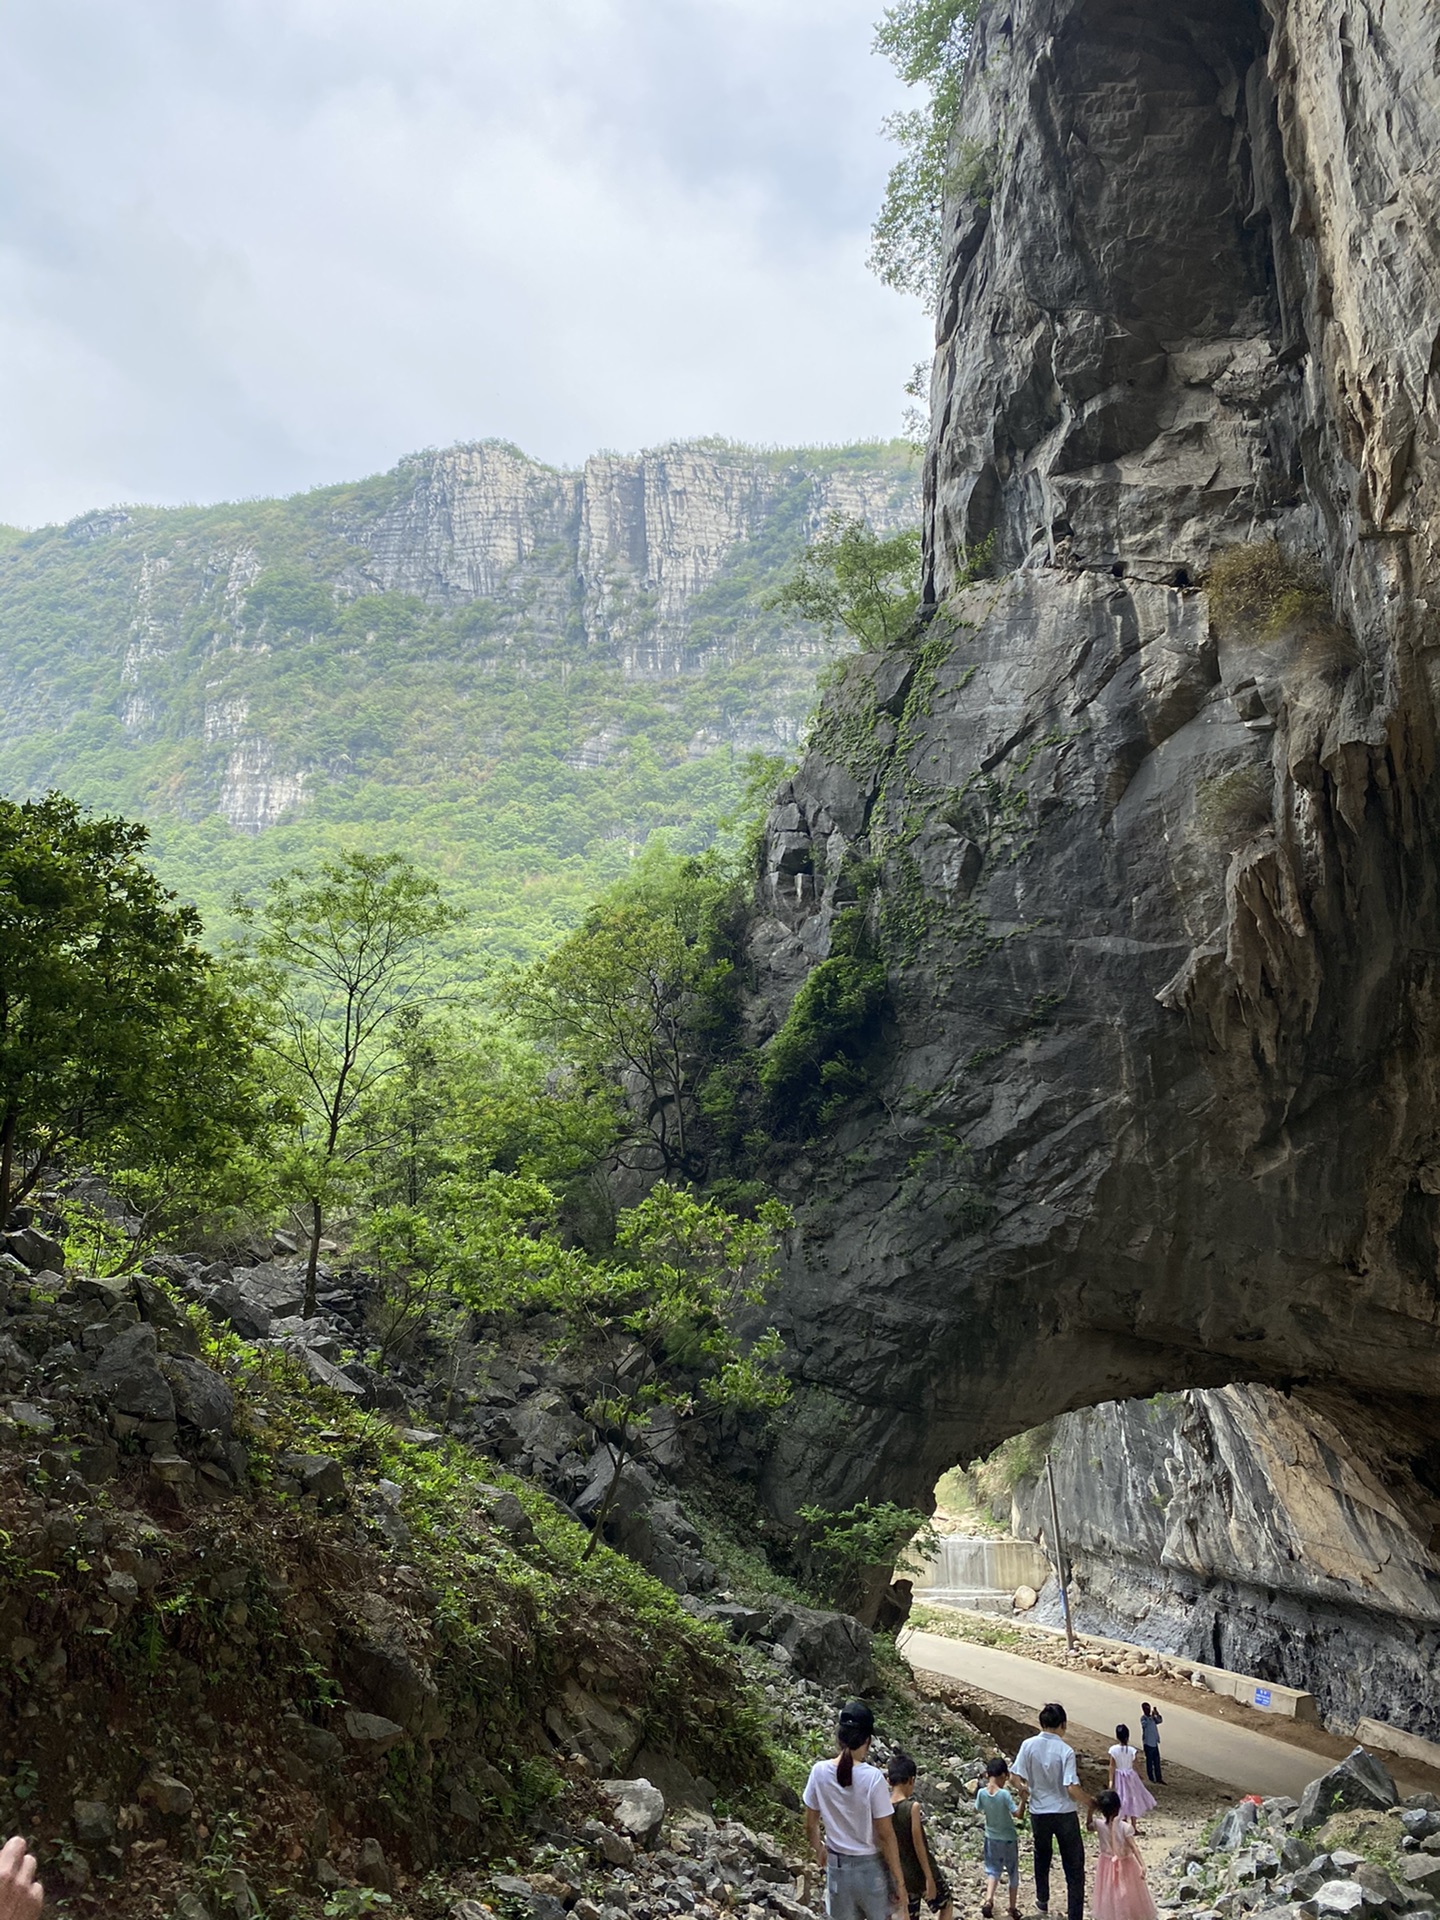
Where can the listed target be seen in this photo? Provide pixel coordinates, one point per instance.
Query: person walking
(850, 1825)
(1135, 1797)
(1000, 1805)
(1121, 1889)
(1047, 1766)
(1150, 1719)
(923, 1878)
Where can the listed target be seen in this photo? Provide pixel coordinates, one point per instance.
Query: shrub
(810, 1068)
(1256, 586)
(1234, 805)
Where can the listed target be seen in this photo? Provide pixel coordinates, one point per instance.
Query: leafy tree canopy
(342, 953)
(119, 1038)
(927, 42)
(856, 581)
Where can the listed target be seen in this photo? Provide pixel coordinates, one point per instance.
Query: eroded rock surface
(1153, 877)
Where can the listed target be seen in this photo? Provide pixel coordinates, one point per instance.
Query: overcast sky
(249, 246)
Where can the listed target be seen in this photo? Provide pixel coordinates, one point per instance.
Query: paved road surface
(1249, 1762)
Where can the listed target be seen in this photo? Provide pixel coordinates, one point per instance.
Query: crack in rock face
(1151, 864)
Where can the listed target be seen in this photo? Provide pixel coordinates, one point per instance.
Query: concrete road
(1234, 1756)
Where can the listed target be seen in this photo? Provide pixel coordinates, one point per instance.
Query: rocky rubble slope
(1349, 1849)
(273, 1642)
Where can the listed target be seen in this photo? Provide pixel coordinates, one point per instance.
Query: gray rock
(1340, 1900)
(389, 1680)
(830, 1648)
(639, 1808)
(742, 1623)
(317, 1473)
(167, 1794)
(202, 1398)
(1234, 1829)
(34, 1250)
(129, 1375)
(1420, 1873)
(1419, 1822)
(614, 1848)
(1358, 1781)
(372, 1732)
(372, 1869)
(93, 1821)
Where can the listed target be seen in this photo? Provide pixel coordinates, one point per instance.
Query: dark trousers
(1152, 1765)
(1063, 1830)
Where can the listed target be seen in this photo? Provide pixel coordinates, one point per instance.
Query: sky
(252, 246)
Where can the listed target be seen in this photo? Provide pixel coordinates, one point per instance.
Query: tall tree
(629, 996)
(118, 1037)
(344, 952)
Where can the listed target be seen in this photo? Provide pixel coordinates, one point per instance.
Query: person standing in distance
(1150, 1718)
(1047, 1766)
(850, 1800)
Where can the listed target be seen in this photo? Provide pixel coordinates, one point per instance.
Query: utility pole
(1059, 1555)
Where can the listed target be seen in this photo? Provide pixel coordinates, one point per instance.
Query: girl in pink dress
(1135, 1797)
(1121, 1890)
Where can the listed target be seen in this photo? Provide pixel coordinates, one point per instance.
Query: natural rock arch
(1154, 1103)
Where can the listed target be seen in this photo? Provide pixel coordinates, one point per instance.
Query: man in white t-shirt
(1047, 1766)
(850, 1823)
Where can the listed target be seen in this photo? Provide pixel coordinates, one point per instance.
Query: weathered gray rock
(639, 1808)
(830, 1648)
(372, 1732)
(1234, 1829)
(1151, 1106)
(202, 1398)
(318, 1474)
(1358, 1781)
(1420, 1873)
(35, 1250)
(1264, 1537)
(128, 1374)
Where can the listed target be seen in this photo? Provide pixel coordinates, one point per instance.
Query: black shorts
(942, 1898)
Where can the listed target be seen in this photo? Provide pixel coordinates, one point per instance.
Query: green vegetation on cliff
(467, 660)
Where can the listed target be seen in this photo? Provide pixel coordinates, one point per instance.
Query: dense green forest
(513, 674)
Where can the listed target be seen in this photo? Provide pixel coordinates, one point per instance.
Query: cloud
(255, 245)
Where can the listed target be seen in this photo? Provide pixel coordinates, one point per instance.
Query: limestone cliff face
(1154, 1102)
(654, 566)
(1243, 1529)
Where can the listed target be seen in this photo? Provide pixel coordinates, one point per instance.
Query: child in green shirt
(1000, 1809)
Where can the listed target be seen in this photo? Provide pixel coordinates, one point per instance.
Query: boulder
(1234, 1829)
(1358, 1781)
(323, 1372)
(128, 1374)
(389, 1680)
(1340, 1900)
(1420, 1873)
(615, 1849)
(1419, 1822)
(166, 1794)
(1380, 1889)
(742, 1623)
(639, 1808)
(372, 1869)
(275, 1290)
(830, 1648)
(172, 1327)
(202, 1398)
(35, 1250)
(372, 1732)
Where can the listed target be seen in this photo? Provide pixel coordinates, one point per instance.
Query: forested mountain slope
(512, 672)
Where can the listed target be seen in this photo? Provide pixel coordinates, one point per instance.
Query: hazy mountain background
(514, 673)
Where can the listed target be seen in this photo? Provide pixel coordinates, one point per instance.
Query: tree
(664, 1322)
(119, 1038)
(854, 580)
(863, 1547)
(927, 42)
(343, 952)
(629, 996)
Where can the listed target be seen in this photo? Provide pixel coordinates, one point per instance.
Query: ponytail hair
(857, 1724)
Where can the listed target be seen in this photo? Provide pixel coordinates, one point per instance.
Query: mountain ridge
(525, 670)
